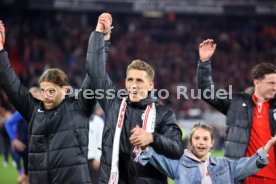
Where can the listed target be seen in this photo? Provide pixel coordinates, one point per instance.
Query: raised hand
(206, 50)
(2, 35)
(270, 143)
(104, 23)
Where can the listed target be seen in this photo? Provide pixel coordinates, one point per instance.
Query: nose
(133, 85)
(201, 141)
(45, 97)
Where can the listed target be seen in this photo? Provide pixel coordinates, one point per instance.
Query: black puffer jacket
(58, 138)
(167, 135)
(239, 112)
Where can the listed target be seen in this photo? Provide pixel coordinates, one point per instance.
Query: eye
(51, 91)
(129, 79)
(140, 80)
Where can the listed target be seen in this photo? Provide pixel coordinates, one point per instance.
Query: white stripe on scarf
(148, 125)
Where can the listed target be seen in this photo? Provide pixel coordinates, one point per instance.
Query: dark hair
(259, 71)
(141, 65)
(203, 126)
(54, 75)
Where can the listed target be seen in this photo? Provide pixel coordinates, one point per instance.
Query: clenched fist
(104, 23)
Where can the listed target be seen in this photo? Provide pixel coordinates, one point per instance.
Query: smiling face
(138, 84)
(139, 80)
(201, 142)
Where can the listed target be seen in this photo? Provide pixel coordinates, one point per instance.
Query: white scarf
(148, 124)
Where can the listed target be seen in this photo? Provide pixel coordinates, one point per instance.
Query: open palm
(206, 49)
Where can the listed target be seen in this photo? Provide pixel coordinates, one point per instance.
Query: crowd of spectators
(39, 40)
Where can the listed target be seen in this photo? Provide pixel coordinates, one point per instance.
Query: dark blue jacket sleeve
(12, 123)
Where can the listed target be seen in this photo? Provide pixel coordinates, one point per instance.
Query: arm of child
(163, 164)
(248, 166)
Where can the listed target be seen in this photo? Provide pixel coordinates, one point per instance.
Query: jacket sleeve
(165, 165)
(205, 84)
(167, 137)
(102, 85)
(12, 123)
(18, 95)
(86, 99)
(247, 166)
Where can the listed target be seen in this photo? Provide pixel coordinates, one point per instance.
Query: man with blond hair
(132, 122)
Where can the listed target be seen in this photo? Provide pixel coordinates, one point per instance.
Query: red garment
(260, 134)
(259, 180)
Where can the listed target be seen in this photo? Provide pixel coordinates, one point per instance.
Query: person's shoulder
(16, 113)
(163, 110)
(72, 98)
(241, 96)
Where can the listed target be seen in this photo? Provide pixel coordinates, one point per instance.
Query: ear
(256, 82)
(151, 85)
(65, 89)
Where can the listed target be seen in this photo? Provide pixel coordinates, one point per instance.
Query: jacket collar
(189, 161)
(144, 102)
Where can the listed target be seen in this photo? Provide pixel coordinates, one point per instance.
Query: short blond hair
(141, 65)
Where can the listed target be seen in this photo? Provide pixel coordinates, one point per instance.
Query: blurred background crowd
(39, 40)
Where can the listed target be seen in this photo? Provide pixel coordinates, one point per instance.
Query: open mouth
(201, 148)
(133, 92)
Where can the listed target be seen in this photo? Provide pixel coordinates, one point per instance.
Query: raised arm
(86, 99)
(96, 62)
(245, 167)
(204, 78)
(17, 93)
